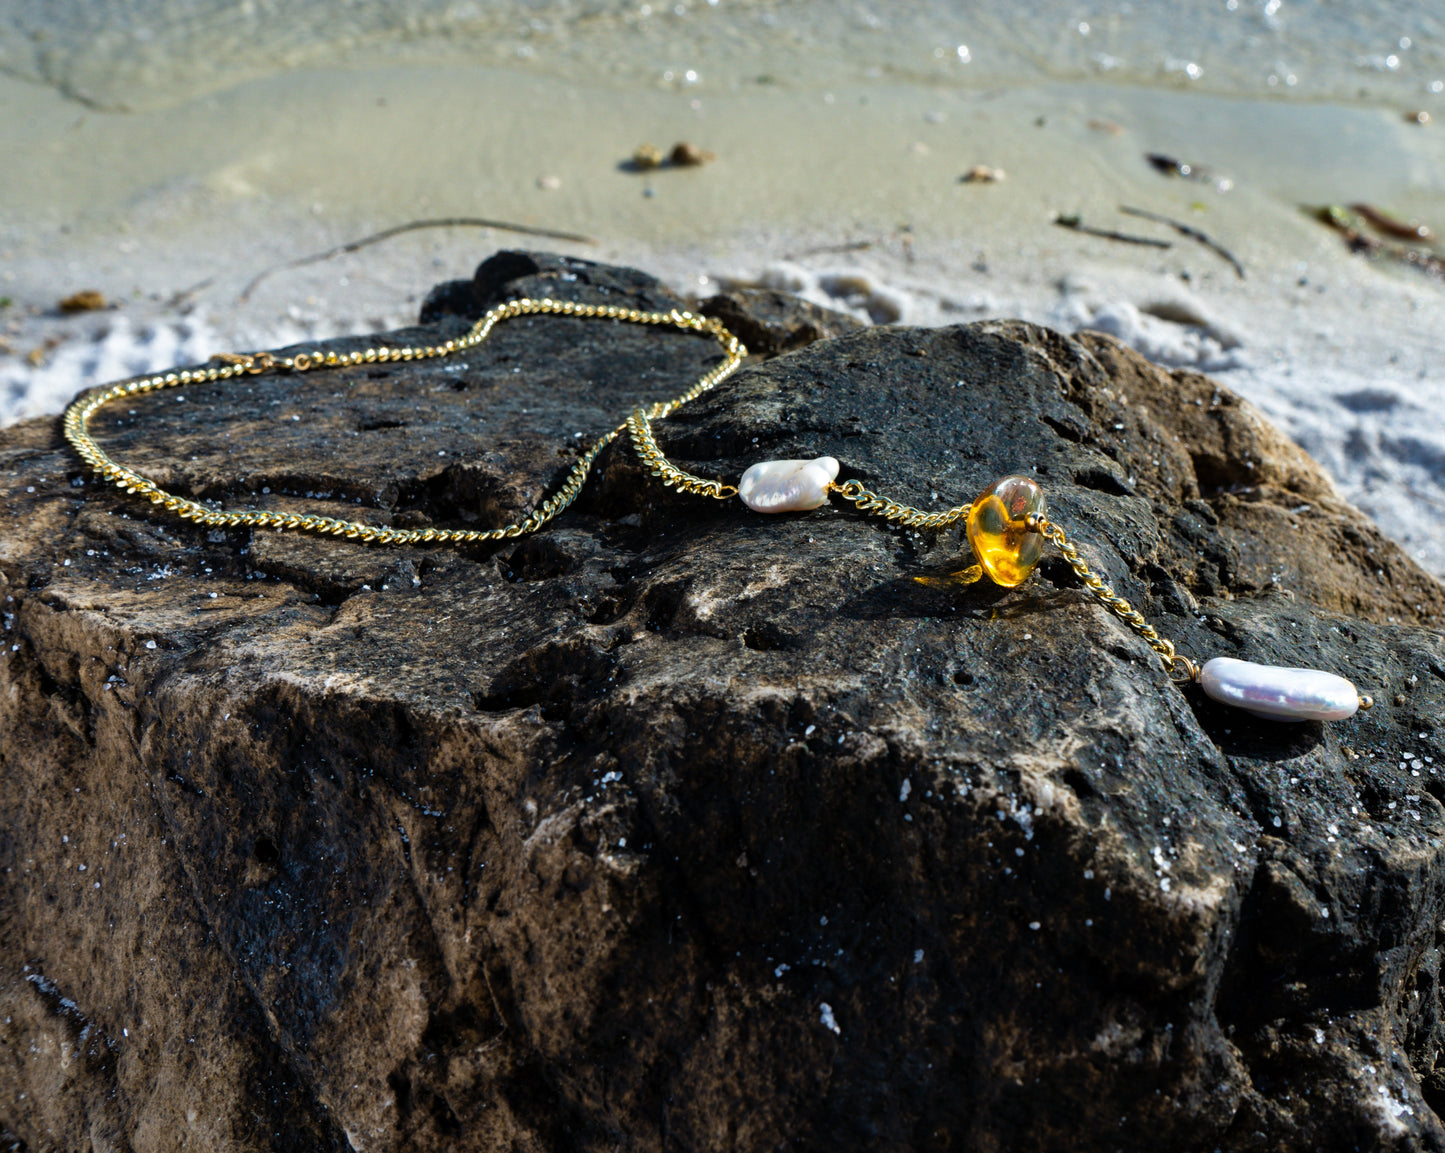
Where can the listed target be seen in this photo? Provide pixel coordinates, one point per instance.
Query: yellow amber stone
(1003, 545)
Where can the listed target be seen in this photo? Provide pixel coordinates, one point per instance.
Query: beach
(1062, 769)
(908, 165)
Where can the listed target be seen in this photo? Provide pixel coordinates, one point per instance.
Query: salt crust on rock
(563, 844)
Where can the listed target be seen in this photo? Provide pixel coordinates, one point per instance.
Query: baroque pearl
(1005, 548)
(1279, 693)
(788, 485)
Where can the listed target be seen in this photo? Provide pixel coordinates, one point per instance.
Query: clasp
(252, 362)
(1182, 670)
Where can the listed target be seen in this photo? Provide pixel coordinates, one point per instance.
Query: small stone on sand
(982, 174)
(88, 300)
(685, 155)
(646, 157)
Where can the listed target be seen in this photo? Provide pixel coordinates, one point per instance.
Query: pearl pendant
(1279, 693)
(788, 485)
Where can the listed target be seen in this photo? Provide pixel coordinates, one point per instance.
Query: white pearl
(1279, 693)
(788, 485)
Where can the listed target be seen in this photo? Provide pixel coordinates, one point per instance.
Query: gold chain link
(1105, 595)
(871, 503)
(232, 365)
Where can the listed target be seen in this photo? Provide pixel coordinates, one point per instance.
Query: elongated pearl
(788, 485)
(1279, 693)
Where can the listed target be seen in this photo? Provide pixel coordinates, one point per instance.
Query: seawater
(145, 54)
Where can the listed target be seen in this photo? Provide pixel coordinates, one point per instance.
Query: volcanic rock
(677, 827)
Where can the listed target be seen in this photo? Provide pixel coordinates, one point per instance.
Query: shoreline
(154, 54)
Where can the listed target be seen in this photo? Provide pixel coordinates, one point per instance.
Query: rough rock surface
(675, 827)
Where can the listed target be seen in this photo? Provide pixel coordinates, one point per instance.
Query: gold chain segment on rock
(869, 502)
(78, 414)
(891, 510)
(1116, 604)
(639, 426)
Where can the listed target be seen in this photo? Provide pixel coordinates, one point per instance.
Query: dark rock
(770, 322)
(675, 827)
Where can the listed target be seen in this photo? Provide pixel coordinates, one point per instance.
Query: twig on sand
(185, 294)
(1384, 223)
(412, 226)
(1348, 226)
(1187, 230)
(1077, 225)
(831, 249)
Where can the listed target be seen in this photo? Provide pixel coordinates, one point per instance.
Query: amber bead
(1001, 540)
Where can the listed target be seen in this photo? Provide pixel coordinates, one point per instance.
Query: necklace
(1006, 525)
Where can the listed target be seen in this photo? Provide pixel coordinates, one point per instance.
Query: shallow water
(150, 53)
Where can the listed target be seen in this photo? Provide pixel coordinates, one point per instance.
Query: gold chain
(890, 510)
(902, 514)
(873, 504)
(78, 414)
(638, 425)
(1111, 600)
